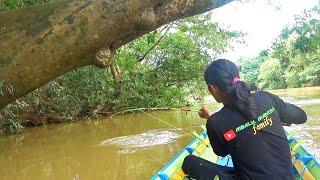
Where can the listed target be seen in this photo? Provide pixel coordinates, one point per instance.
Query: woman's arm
(215, 142)
(289, 113)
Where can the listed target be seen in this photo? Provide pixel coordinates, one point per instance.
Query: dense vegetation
(162, 68)
(14, 4)
(293, 60)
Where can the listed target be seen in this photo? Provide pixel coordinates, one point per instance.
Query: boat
(305, 165)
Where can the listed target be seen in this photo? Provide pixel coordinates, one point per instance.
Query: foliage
(73, 94)
(250, 68)
(293, 60)
(271, 74)
(14, 4)
(8, 117)
(175, 67)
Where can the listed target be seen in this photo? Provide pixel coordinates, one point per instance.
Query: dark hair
(224, 74)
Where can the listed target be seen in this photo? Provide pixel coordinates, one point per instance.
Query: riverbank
(30, 117)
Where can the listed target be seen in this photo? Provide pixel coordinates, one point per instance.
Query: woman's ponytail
(242, 100)
(225, 75)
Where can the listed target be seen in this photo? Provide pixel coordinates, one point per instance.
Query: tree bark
(40, 43)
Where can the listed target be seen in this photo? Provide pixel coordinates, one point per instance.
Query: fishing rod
(159, 119)
(153, 109)
(193, 133)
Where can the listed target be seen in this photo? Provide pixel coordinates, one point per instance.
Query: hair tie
(235, 80)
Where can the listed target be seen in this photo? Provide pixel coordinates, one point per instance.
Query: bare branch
(155, 44)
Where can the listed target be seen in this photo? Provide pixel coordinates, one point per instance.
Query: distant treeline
(293, 60)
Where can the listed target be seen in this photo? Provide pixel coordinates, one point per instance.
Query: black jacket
(259, 147)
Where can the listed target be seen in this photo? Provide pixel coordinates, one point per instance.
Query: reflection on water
(129, 146)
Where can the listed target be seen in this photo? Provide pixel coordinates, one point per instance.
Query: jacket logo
(229, 135)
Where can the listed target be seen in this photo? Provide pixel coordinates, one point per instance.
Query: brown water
(130, 146)
(309, 100)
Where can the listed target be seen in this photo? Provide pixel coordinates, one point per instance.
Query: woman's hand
(205, 113)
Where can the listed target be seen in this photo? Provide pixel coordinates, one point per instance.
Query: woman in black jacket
(248, 127)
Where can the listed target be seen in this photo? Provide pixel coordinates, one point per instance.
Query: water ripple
(302, 102)
(142, 141)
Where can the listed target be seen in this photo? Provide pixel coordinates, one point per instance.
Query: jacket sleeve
(289, 113)
(215, 142)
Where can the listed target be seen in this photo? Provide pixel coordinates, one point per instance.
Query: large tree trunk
(39, 43)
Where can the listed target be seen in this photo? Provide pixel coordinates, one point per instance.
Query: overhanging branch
(40, 43)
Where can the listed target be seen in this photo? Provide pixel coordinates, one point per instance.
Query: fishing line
(193, 135)
(162, 108)
(175, 127)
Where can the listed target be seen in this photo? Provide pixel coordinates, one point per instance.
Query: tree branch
(156, 43)
(40, 43)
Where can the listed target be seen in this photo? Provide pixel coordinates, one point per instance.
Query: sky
(261, 20)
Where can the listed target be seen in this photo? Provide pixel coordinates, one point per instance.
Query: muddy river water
(127, 146)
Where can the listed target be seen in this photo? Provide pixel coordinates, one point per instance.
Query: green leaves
(250, 68)
(151, 38)
(13, 4)
(271, 74)
(292, 61)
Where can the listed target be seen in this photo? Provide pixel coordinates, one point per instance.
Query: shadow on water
(127, 146)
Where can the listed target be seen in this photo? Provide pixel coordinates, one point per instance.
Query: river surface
(127, 146)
